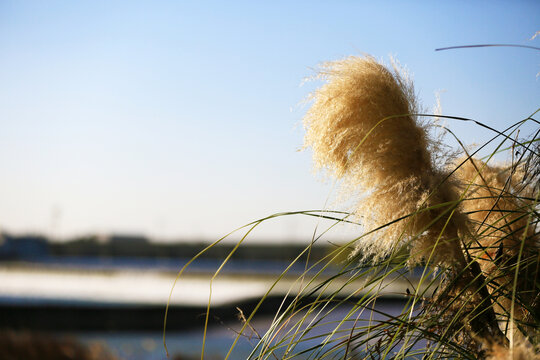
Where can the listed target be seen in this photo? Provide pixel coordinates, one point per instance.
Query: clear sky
(179, 119)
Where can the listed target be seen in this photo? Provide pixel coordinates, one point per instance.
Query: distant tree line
(35, 246)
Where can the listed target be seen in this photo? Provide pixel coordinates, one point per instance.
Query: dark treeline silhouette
(28, 247)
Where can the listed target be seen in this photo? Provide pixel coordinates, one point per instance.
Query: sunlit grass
(463, 237)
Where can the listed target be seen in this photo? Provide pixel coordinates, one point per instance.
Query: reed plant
(459, 227)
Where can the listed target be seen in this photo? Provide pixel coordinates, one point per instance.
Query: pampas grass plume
(500, 230)
(362, 130)
(520, 351)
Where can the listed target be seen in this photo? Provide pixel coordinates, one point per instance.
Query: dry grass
(500, 232)
(475, 219)
(520, 351)
(36, 346)
(470, 224)
(362, 130)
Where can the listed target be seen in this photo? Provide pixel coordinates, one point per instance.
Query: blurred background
(133, 133)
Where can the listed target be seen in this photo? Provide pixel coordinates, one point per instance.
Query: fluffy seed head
(362, 97)
(498, 217)
(362, 130)
(520, 351)
(501, 230)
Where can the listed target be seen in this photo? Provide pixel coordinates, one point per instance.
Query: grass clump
(476, 221)
(460, 232)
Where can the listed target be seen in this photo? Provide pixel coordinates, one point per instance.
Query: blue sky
(183, 119)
